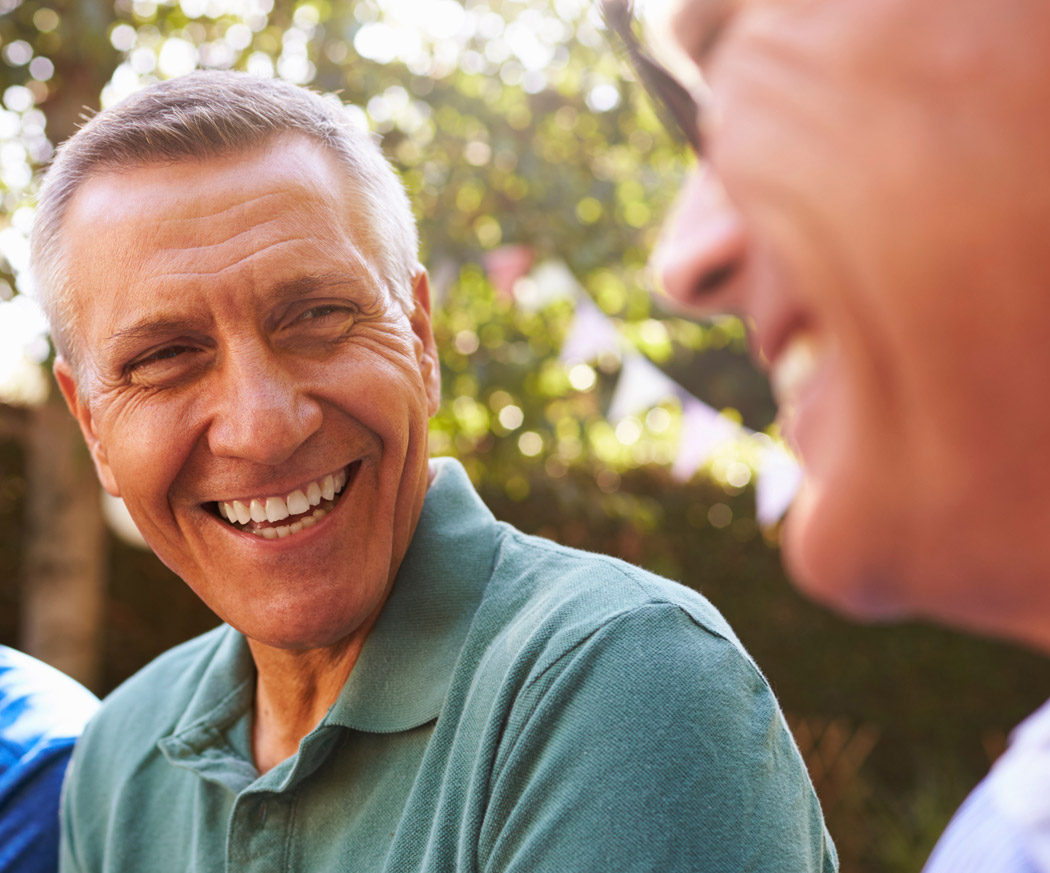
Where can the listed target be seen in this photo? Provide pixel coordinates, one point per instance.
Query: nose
(702, 249)
(262, 411)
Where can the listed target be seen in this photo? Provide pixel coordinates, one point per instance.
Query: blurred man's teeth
(795, 366)
(300, 503)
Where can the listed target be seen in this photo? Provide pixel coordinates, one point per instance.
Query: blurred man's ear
(67, 382)
(429, 366)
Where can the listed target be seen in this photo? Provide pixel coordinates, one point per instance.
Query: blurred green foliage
(511, 123)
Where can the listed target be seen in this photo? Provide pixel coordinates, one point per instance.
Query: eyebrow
(292, 289)
(281, 292)
(155, 328)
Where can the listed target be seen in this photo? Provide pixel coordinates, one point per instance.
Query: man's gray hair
(213, 114)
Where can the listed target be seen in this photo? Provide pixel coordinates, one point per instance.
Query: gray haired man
(402, 683)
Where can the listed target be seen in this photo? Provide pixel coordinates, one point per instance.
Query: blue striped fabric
(980, 839)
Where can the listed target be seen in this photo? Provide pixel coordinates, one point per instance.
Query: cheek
(146, 445)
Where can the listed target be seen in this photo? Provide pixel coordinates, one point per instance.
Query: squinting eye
(160, 356)
(324, 311)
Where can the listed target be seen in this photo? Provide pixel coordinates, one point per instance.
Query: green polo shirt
(518, 706)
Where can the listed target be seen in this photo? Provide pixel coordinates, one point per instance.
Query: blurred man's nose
(702, 249)
(262, 413)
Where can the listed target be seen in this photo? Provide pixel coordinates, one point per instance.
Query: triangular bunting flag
(552, 280)
(590, 336)
(703, 431)
(641, 387)
(779, 477)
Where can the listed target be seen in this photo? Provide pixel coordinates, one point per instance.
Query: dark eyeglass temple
(672, 100)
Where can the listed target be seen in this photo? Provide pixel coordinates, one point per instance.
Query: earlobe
(67, 383)
(429, 366)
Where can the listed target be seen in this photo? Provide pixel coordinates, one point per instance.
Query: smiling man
(873, 199)
(401, 683)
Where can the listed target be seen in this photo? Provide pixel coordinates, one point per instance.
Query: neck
(293, 691)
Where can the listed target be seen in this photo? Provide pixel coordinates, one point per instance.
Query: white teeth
(274, 509)
(795, 366)
(297, 503)
(284, 530)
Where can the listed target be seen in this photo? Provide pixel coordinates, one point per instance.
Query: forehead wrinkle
(236, 234)
(246, 261)
(239, 217)
(291, 191)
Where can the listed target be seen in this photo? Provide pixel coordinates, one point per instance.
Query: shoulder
(617, 677)
(40, 707)
(563, 597)
(42, 711)
(588, 640)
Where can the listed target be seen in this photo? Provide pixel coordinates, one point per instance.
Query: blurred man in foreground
(230, 267)
(874, 198)
(42, 712)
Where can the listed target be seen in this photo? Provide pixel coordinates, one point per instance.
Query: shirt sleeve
(29, 815)
(653, 745)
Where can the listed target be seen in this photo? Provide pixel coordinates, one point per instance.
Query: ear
(67, 382)
(429, 366)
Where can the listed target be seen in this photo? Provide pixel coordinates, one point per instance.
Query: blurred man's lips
(794, 367)
(279, 516)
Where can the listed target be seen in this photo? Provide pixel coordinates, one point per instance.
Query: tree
(60, 53)
(520, 140)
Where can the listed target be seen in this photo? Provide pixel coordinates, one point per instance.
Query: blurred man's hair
(213, 114)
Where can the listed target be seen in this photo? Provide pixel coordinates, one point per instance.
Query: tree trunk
(64, 570)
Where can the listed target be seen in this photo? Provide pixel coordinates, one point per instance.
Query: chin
(836, 558)
(294, 625)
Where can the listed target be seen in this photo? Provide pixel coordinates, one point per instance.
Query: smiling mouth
(795, 368)
(285, 515)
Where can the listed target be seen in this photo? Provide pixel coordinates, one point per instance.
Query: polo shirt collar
(403, 673)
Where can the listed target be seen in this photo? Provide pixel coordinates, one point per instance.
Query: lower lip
(306, 533)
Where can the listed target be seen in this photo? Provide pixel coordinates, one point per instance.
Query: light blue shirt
(1004, 825)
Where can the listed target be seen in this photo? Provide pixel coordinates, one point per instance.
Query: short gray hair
(210, 114)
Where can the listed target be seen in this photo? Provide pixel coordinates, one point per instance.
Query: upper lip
(279, 490)
(772, 332)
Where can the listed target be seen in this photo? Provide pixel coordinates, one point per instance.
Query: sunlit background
(582, 411)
